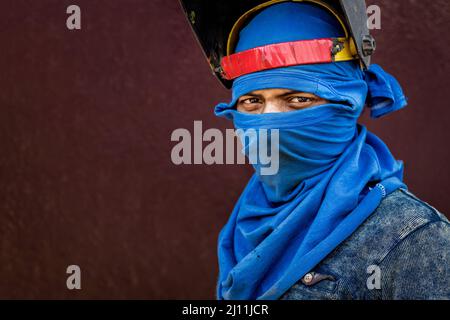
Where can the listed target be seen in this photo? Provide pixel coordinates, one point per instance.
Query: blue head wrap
(332, 174)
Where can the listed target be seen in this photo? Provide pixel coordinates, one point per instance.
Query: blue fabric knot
(385, 94)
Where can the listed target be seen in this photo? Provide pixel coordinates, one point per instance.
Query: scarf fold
(332, 175)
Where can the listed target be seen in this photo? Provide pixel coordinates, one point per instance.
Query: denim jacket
(402, 251)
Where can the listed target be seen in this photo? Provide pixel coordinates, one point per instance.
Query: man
(336, 221)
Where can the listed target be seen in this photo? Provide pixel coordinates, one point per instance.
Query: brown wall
(85, 170)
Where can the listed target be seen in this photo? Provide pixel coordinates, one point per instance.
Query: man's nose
(272, 107)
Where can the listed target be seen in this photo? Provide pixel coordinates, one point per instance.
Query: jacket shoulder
(395, 222)
(419, 266)
(398, 215)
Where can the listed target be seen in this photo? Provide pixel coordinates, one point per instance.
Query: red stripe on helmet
(275, 56)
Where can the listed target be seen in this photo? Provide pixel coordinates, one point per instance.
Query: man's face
(276, 100)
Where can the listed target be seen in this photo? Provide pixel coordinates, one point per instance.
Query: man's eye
(249, 100)
(300, 99)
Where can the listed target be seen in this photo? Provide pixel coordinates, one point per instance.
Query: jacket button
(308, 277)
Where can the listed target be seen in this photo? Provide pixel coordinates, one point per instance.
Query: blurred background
(86, 176)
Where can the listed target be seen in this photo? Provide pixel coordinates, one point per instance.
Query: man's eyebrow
(252, 94)
(290, 92)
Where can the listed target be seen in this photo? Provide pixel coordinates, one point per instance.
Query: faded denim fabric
(405, 243)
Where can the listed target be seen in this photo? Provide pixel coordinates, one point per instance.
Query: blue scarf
(332, 175)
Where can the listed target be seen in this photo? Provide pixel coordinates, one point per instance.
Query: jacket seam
(417, 200)
(398, 242)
